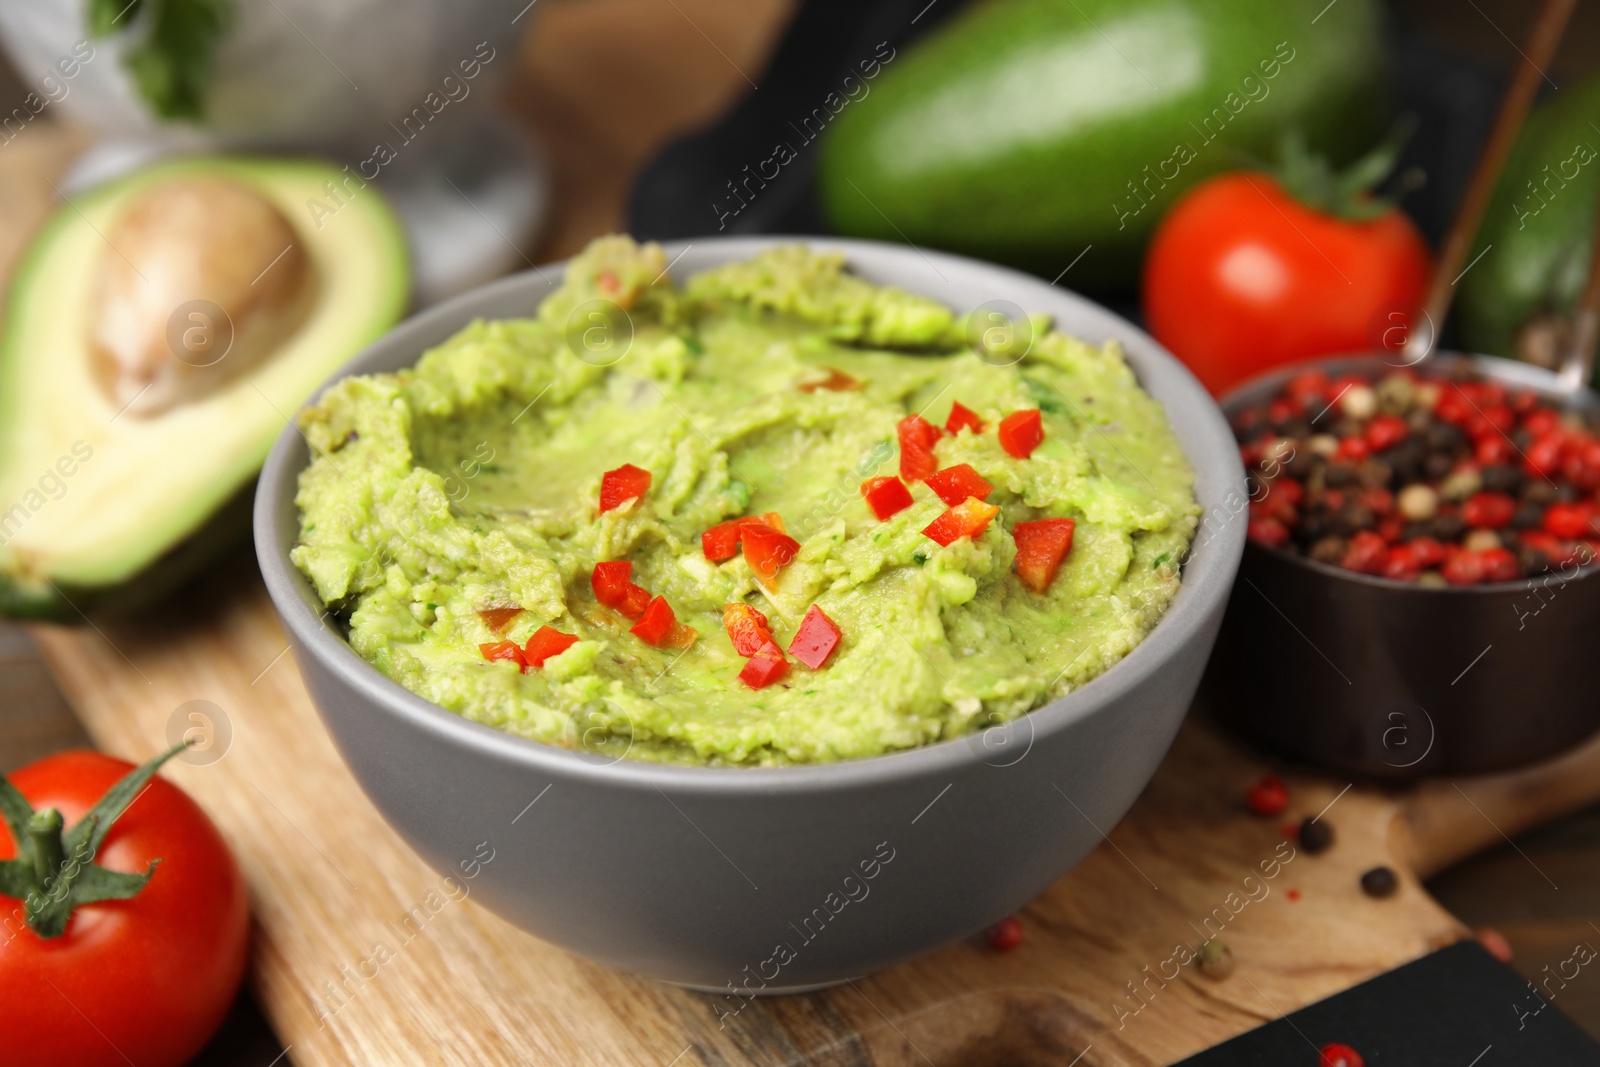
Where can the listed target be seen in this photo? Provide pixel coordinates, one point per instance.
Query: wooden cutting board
(330, 883)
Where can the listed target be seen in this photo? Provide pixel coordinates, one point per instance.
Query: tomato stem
(44, 832)
(54, 871)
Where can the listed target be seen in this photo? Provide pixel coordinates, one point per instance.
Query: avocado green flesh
(472, 482)
(1539, 226)
(1026, 130)
(92, 499)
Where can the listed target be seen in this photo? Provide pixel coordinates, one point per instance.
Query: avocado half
(113, 492)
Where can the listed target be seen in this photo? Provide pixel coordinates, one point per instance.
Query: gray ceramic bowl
(699, 875)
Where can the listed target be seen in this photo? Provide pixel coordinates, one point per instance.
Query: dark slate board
(1458, 1007)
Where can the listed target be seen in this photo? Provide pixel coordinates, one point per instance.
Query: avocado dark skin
(1027, 130)
(1539, 228)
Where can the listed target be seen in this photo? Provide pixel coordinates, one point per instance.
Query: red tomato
(145, 980)
(1242, 277)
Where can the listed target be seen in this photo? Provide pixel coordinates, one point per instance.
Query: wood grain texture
(347, 978)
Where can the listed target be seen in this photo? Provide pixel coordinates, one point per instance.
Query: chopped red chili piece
(816, 639)
(962, 417)
(747, 629)
(768, 550)
(1041, 546)
(1021, 432)
(836, 381)
(764, 668)
(497, 619)
(614, 589)
(625, 483)
(955, 484)
(917, 437)
(722, 540)
(766, 518)
(659, 626)
(547, 641)
(506, 650)
(967, 519)
(887, 497)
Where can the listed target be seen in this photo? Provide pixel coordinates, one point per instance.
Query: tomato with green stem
(1250, 270)
(126, 920)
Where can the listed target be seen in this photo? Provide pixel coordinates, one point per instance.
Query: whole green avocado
(1538, 231)
(1025, 130)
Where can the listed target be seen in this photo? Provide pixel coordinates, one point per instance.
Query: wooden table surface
(604, 83)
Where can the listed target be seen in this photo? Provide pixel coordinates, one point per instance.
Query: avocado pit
(202, 280)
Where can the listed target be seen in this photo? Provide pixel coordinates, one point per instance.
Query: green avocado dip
(454, 509)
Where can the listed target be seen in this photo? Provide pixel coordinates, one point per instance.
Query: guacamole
(452, 511)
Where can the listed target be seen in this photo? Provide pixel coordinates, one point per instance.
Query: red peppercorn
(1386, 431)
(1490, 422)
(1523, 402)
(1543, 457)
(1493, 451)
(1464, 567)
(1366, 553)
(1569, 520)
(1540, 422)
(1428, 552)
(1308, 387)
(1006, 934)
(1281, 410)
(1291, 491)
(1391, 528)
(1452, 407)
(1354, 449)
(1268, 531)
(1378, 499)
(1337, 1055)
(1268, 796)
(1401, 564)
(1491, 511)
(1500, 565)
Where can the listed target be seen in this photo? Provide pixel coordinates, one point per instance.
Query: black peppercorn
(1315, 835)
(1379, 882)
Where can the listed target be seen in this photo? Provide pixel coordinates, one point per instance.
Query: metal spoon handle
(1541, 49)
(1578, 365)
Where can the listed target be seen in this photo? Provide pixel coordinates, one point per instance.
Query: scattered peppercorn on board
(348, 975)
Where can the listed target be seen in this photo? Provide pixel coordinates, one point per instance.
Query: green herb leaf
(172, 60)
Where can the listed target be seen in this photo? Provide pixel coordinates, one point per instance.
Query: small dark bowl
(1383, 679)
